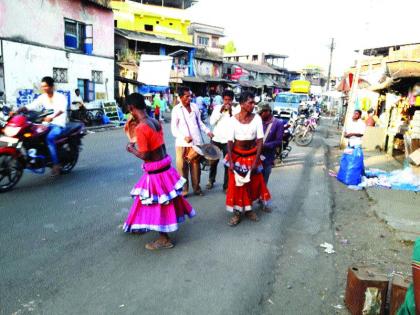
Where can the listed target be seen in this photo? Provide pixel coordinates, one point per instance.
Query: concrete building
(72, 41)
(149, 18)
(207, 38)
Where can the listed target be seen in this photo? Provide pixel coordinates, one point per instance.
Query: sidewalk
(400, 210)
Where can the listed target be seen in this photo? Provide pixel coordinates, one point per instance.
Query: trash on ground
(373, 302)
(339, 307)
(328, 248)
(404, 179)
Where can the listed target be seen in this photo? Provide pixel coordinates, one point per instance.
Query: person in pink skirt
(158, 202)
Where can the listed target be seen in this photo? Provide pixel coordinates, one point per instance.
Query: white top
(58, 103)
(221, 123)
(358, 126)
(78, 100)
(236, 109)
(251, 131)
(183, 122)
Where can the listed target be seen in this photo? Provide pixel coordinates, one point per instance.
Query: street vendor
(355, 129)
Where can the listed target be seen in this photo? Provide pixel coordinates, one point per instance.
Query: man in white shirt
(355, 129)
(186, 127)
(78, 107)
(220, 119)
(58, 103)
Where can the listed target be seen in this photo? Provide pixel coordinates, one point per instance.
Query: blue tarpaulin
(152, 89)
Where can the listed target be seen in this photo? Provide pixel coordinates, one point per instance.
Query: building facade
(75, 46)
(163, 21)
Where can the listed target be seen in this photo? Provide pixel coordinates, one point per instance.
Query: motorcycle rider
(57, 121)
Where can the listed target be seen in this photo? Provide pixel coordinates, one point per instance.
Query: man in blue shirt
(273, 136)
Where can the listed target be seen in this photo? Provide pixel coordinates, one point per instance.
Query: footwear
(158, 244)
(209, 185)
(56, 169)
(266, 209)
(199, 193)
(235, 220)
(251, 215)
(184, 194)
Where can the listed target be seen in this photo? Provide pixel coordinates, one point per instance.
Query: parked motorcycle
(23, 146)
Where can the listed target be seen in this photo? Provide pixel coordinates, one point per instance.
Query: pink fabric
(158, 204)
(161, 187)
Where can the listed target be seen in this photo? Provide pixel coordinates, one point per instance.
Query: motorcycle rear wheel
(11, 170)
(71, 162)
(303, 139)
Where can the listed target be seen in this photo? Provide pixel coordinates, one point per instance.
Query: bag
(351, 166)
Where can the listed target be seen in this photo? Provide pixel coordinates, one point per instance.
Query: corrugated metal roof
(147, 38)
(254, 67)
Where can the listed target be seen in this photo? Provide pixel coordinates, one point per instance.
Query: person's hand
(210, 134)
(231, 165)
(188, 139)
(254, 167)
(131, 147)
(48, 119)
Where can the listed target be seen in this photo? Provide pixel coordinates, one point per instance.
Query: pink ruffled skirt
(158, 202)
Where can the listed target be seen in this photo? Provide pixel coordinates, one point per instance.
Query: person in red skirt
(246, 182)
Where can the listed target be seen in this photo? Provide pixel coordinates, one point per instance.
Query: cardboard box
(415, 157)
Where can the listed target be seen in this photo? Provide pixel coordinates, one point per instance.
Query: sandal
(235, 219)
(159, 245)
(251, 215)
(265, 209)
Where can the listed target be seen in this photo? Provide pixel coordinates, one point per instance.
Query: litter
(339, 307)
(404, 179)
(328, 248)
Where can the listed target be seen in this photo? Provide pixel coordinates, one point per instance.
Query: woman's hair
(245, 96)
(136, 100)
(228, 93)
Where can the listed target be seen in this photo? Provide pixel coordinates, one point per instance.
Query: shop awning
(126, 80)
(403, 69)
(252, 84)
(148, 38)
(193, 79)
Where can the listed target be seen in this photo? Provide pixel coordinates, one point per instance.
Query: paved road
(62, 250)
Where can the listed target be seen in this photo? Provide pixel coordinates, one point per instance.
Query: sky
(302, 29)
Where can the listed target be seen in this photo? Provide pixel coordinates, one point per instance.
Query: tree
(230, 47)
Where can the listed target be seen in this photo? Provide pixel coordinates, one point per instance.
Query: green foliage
(230, 47)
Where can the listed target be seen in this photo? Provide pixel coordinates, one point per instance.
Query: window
(204, 41)
(171, 23)
(78, 36)
(97, 76)
(254, 57)
(148, 27)
(157, 22)
(60, 75)
(74, 33)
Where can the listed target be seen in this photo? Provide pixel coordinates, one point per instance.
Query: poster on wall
(154, 70)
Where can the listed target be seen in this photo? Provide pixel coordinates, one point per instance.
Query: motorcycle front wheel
(11, 170)
(304, 137)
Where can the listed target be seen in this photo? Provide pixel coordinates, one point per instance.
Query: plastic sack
(106, 120)
(351, 166)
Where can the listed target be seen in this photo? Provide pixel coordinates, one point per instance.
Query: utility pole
(332, 47)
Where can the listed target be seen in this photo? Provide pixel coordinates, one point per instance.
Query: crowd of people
(246, 137)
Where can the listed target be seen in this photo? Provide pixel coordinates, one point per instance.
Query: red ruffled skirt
(241, 198)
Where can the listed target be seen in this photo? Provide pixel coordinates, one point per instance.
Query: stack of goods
(415, 126)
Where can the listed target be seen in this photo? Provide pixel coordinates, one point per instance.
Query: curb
(101, 128)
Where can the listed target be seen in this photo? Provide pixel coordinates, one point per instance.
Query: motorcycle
(304, 133)
(23, 146)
